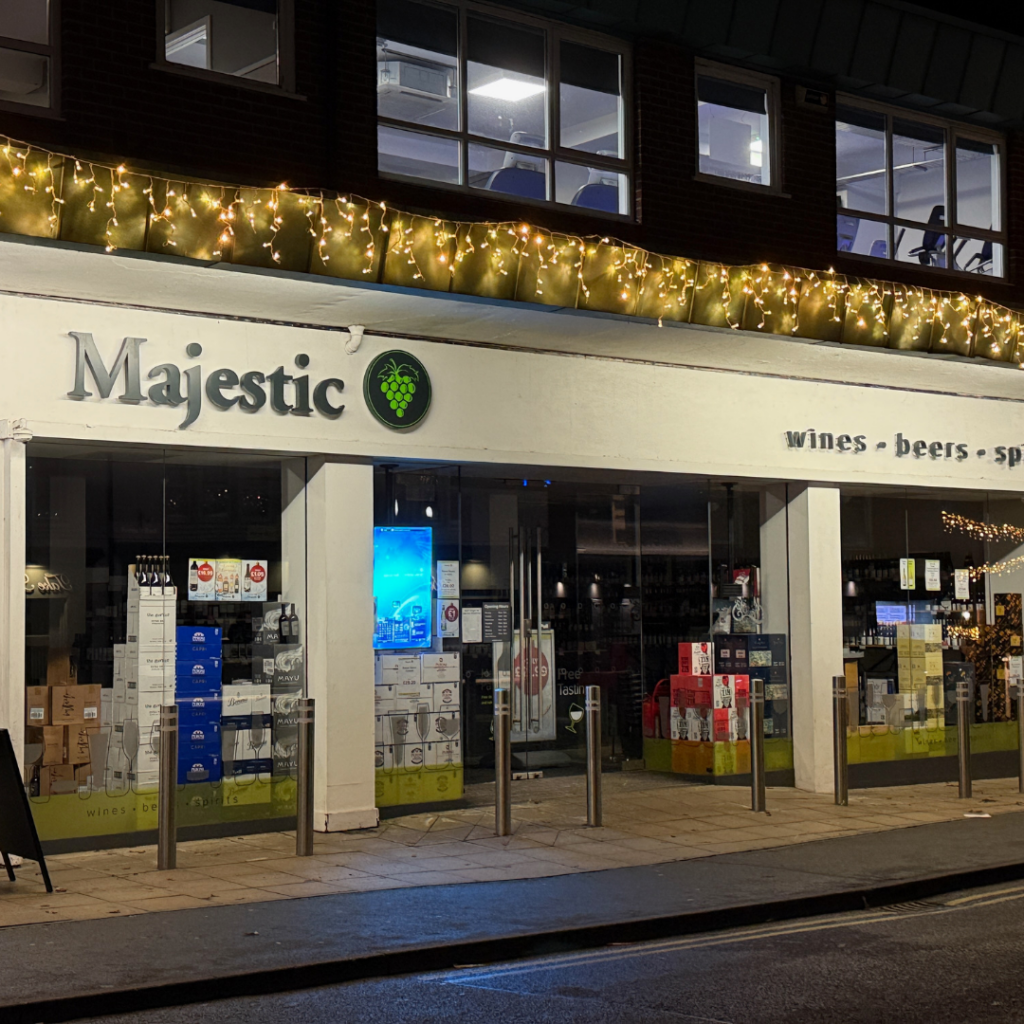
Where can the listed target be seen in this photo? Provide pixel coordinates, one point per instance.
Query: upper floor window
(522, 108)
(735, 125)
(26, 54)
(231, 37)
(918, 190)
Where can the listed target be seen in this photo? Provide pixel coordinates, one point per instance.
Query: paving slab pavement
(61, 971)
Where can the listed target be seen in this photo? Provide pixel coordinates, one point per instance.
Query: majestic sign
(397, 389)
(174, 386)
(1009, 455)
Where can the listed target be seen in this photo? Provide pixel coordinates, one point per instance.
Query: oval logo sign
(397, 389)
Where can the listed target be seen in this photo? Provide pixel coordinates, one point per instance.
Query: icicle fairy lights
(50, 194)
(989, 532)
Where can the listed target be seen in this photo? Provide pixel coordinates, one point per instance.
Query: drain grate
(911, 907)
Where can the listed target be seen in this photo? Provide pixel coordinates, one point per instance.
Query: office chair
(520, 175)
(931, 251)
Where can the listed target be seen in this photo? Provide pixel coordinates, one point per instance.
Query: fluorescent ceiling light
(511, 89)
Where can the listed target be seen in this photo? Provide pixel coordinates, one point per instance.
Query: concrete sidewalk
(648, 820)
(56, 972)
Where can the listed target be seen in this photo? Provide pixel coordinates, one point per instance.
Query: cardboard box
(75, 705)
(57, 779)
(269, 631)
(400, 668)
(691, 691)
(199, 767)
(76, 742)
(200, 709)
(696, 659)
(37, 705)
(280, 665)
(245, 700)
(49, 740)
(731, 654)
(206, 671)
(200, 636)
(441, 668)
(446, 698)
(384, 698)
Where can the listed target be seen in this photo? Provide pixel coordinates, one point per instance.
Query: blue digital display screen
(403, 559)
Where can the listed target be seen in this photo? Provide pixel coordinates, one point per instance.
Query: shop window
(520, 78)
(735, 135)
(931, 598)
(608, 584)
(918, 191)
(231, 37)
(157, 578)
(26, 54)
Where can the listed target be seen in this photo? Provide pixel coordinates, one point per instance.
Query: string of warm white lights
(990, 532)
(46, 193)
(962, 632)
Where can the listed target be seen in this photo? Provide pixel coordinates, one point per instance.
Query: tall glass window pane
(927, 246)
(978, 256)
(26, 19)
(860, 161)
(234, 38)
(417, 63)
(506, 89)
(517, 174)
(919, 172)
(590, 99)
(861, 236)
(417, 155)
(591, 188)
(977, 184)
(732, 121)
(24, 78)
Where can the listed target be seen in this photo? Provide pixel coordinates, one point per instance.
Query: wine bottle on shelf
(168, 582)
(296, 629)
(284, 624)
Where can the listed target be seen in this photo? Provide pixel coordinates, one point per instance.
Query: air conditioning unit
(432, 82)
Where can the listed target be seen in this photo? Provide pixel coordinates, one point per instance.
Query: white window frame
(50, 49)
(728, 73)
(952, 228)
(554, 34)
(285, 84)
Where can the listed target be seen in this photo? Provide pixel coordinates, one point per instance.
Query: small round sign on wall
(397, 389)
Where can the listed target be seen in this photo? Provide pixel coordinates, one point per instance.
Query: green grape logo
(397, 389)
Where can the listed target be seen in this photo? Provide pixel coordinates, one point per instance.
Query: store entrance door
(568, 563)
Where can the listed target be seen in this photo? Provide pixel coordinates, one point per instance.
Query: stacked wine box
(418, 727)
(198, 680)
(144, 672)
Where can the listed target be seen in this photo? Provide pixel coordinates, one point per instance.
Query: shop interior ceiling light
(47, 194)
(511, 89)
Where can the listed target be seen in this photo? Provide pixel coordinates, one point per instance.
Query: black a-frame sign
(17, 829)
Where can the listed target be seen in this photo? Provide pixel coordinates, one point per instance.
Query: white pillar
(816, 629)
(339, 636)
(13, 435)
(774, 560)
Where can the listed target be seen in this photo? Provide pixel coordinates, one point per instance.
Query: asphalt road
(956, 959)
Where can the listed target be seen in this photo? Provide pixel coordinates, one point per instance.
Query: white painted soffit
(45, 270)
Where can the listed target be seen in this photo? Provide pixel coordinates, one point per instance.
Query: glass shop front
(932, 587)
(157, 577)
(548, 583)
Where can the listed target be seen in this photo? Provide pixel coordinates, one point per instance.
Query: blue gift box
(201, 709)
(206, 670)
(204, 636)
(199, 767)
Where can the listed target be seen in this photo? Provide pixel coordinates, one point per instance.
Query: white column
(13, 435)
(339, 574)
(774, 560)
(816, 629)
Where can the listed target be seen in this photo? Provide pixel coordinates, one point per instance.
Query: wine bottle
(193, 577)
(285, 624)
(296, 630)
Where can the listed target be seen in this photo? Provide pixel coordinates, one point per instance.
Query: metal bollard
(840, 720)
(167, 799)
(502, 763)
(593, 709)
(757, 744)
(963, 697)
(1020, 735)
(304, 786)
